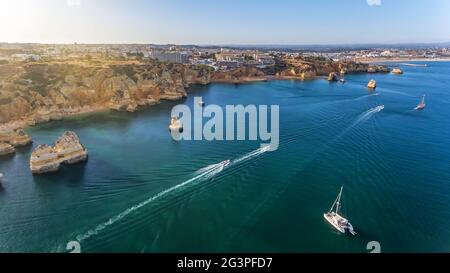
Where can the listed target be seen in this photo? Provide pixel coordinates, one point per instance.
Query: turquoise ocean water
(140, 191)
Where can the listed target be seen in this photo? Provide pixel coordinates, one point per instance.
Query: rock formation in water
(16, 137)
(11, 138)
(332, 77)
(67, 150)
(6, 149)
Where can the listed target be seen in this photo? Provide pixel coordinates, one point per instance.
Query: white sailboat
(421, 105)
(336, 220)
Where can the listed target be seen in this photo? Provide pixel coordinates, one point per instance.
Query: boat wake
(208, 173)
(356, 99)
(201, 175)
(252, 155)
(360, 119)
(366, 115)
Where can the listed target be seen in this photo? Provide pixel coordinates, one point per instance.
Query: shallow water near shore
(140, 191)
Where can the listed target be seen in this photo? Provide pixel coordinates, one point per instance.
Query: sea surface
(141, 191)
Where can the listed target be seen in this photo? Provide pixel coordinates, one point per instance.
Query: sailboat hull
(339, 223)
(333, 221)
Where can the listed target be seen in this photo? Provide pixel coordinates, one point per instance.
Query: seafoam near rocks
(67, 150)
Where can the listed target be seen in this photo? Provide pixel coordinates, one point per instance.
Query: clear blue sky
(225, 21)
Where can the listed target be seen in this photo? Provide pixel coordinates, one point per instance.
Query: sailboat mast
(338, 203)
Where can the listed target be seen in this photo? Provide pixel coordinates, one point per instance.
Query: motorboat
(336, 219)
(225, 163)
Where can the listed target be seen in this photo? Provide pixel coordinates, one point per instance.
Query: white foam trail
(356, 99)
(201, 175)
(361, 118)
(252, 154)
(211, 171)
(364, 116)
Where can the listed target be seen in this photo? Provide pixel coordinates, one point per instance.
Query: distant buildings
(170, 56)
(25, 57)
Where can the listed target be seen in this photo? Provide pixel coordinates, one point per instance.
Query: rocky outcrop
(241, 74)
(332, 77)
(397, 71)
(377, 69)
(6, 149)
(44, 160)
(67, 150)
(38, 93)
(310, 68)
(372, 84)
(16, 137)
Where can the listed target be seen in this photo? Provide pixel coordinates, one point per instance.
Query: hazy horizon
(215, 23)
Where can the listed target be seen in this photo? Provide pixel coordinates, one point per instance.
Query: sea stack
(44, 160)
(332, 77)
(6, 149)
(397, 71)
(67, 150)
(372, 84)
(16, 137)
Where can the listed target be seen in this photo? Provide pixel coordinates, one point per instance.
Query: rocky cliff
(39, 92)
(36, 93)
(305, 69)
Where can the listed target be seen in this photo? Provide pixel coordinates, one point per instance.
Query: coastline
(23, 123)
(396, 60)
(88, 110)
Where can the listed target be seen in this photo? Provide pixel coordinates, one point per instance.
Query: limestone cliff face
(6, 149)
(238, 75)
(16, 137)
(39, 93)
(309, 69)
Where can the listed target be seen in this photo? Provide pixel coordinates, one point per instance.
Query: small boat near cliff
(342, 80)
(421, 105)
(336, 220)
(175, 125)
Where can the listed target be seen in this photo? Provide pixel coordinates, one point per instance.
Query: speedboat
(225, 163)
(336, 220)
(421, 105)
(342, 80)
